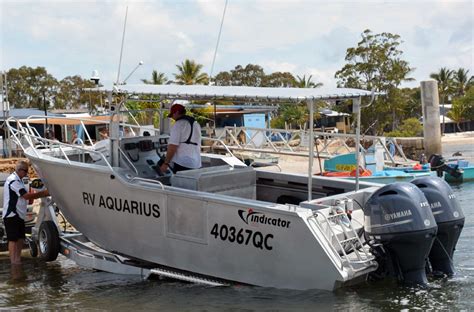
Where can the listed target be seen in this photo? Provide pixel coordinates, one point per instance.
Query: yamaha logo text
(249, 216)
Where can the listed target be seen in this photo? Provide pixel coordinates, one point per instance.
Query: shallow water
(63, 285)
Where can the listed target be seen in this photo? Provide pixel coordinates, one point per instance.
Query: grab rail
(148, 180)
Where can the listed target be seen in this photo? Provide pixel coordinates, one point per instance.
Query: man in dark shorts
(15, 202)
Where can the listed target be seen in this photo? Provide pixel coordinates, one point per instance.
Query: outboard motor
(438, 164)
(398, 217)
(450, 219)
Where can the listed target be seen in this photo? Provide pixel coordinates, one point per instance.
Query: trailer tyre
(33, 248)
(48, 240)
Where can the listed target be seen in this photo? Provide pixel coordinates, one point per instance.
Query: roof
(27, 112)
(239, 93)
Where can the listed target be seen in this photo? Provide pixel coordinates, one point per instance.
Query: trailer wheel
(48, 240)
(33, 248)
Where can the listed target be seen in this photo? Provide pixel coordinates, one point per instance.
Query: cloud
(300, 36)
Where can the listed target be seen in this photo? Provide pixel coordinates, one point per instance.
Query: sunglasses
(22, 169)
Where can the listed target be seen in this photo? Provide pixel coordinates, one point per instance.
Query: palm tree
(156, 78)
(445, 83)
(462, 81)
(302, 82)
(190, 73)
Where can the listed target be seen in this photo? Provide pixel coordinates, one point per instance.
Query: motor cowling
(398, 217)
(449, 218)
(438, 164)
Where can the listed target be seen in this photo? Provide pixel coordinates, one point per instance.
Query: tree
(190, 73)
(157, 78)
(410, 127)
(445, 83)
(31, 87)
(290, 115)
(462, 81)
(250, 75)
(302, 82)
(376, 64)
(279, 80)
(463, 108)
(223, 79)
(71, 93)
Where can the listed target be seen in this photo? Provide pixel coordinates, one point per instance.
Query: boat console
(144, 154)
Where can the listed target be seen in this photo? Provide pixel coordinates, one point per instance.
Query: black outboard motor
(398, 217)
(438, 164)
(450, 219)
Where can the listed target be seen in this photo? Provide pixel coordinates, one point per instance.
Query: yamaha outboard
(401, 229)
(438, 164)
(450, 219)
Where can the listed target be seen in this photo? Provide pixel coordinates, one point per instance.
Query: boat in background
(344, 166)
(465, 168)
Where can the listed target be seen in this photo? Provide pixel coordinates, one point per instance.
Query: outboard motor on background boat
(438, 164)
(450, 219)
(401, 229)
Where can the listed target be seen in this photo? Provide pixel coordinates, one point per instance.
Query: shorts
(15, 228)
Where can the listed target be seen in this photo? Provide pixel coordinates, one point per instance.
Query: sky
(304, 37)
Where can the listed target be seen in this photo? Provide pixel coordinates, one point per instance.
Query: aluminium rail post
(356, 106)
(311, 149)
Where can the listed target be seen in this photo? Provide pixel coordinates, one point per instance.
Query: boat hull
(200, 232)
(467, 175)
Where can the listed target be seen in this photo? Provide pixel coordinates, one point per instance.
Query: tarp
(189, 92)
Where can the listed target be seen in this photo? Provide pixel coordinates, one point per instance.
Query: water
(61, 285)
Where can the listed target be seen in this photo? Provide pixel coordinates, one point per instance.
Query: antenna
(218, 40)
(136, 67)
(121, 48)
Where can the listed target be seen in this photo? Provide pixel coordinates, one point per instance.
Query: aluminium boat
(233, 223)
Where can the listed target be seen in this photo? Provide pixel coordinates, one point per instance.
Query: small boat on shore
(235, 224)
(344, 166)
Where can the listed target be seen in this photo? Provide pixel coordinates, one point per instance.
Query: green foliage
(189, 73)
(463, 108)
(254, 76)
(452, 83)
(71, 93)
(445, 83)
(302, 82)
(462, 82)
(410, 127)
(376, 64)
(157, 78)
(279, 80)
(250, 75)
(34, 87)
(145, 112)
(290, 115)
(31, 87)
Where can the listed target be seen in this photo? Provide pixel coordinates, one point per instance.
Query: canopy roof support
(311, 150)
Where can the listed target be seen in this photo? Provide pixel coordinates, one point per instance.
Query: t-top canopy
(239, 93)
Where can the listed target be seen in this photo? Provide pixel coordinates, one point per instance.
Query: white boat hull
(200, 232)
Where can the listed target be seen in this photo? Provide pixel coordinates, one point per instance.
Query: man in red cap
(184, 145)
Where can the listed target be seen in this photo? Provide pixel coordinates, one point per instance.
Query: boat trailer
(49, 239)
